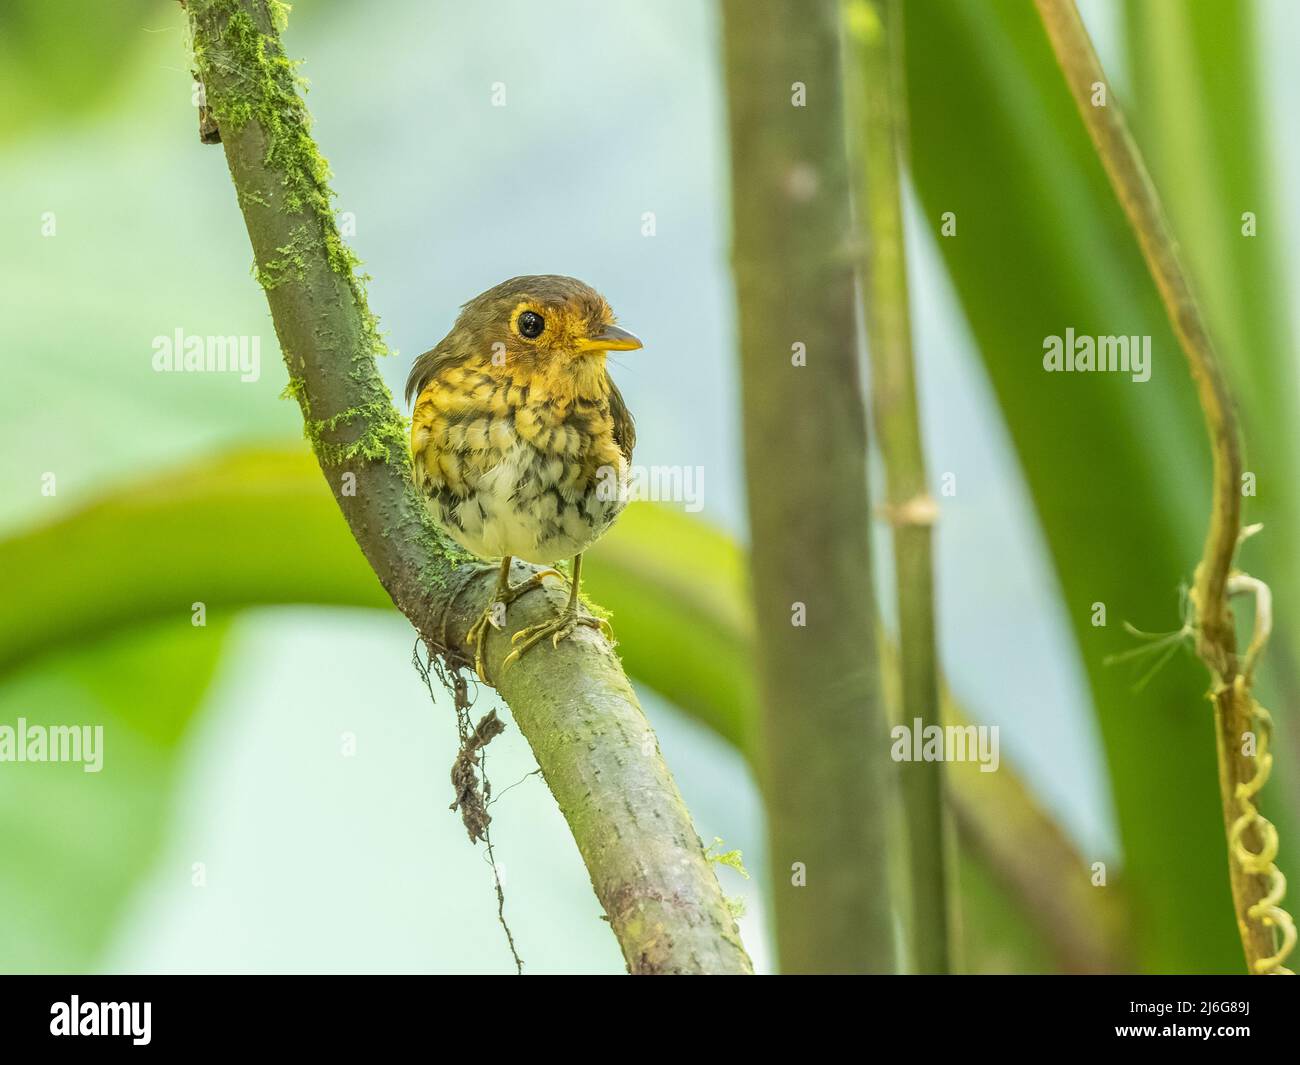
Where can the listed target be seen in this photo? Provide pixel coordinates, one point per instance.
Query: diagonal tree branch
(573, 703)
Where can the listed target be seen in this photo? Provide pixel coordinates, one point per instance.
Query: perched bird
(520, 440)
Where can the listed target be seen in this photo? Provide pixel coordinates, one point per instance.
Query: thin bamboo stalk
(877, 137)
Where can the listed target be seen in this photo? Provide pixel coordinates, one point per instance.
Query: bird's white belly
(518, 509)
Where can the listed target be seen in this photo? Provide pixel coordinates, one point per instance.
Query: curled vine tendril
(1262, 863)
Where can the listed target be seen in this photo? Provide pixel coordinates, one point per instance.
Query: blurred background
(275, 784)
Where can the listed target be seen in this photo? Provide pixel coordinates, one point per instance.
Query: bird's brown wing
(624, 426)
(428, 366)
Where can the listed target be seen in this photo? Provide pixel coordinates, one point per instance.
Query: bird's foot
(559, 628)
(494, 615)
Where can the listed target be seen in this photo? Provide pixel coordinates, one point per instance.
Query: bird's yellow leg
(561, 626)
(494, 614)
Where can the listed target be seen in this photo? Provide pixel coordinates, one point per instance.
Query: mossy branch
(877, 138)
(573, 703)
(1241, 725)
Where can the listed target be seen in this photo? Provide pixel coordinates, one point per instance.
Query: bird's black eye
(530, 325)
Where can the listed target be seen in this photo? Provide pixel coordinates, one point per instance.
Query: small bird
(520, 440)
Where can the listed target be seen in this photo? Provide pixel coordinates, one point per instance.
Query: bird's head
(538, 325)
(541, 318)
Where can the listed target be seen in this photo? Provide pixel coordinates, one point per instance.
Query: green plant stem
(1196, 94)
(573, 703)
(1235, 713)
(824, 737)
(877, 138)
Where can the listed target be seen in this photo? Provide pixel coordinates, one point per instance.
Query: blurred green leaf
(76, 844)
(1196, 113)
(57, 62)
(1119, 471)
(215, 533)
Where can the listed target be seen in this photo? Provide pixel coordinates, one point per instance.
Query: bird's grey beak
(611, 338)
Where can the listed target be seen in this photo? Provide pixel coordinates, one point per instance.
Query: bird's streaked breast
(519, 467)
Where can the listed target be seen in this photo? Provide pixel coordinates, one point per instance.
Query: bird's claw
(560, 628)
(478, 632)
(477, 638)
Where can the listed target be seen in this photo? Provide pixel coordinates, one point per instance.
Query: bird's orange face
(538, 325)
(547, 332)
(540, 331)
